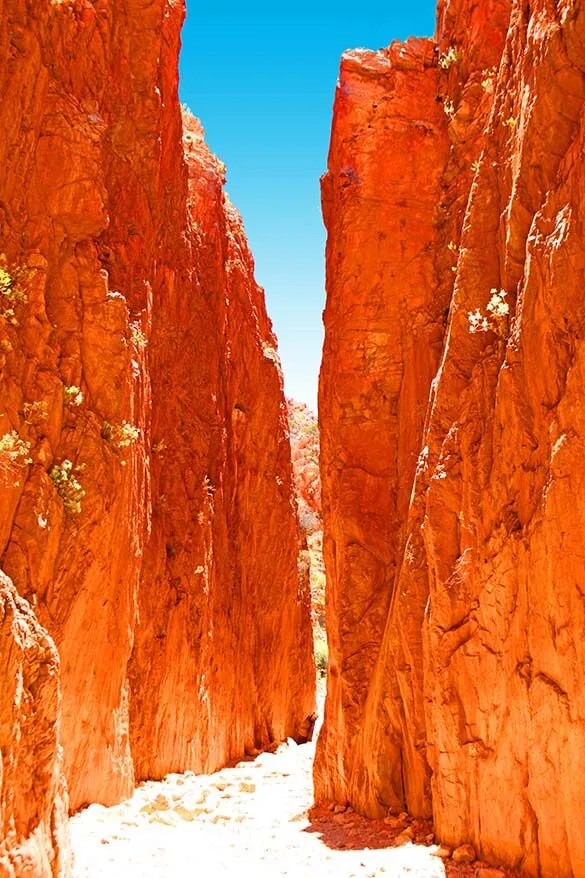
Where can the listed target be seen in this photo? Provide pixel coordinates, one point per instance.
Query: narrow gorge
(158, 541)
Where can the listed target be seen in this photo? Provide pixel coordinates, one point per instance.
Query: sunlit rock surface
(455, 614)
(146, 503)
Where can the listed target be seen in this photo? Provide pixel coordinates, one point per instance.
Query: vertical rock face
(78, 147)
(504, 532)
(33, 802)
(383, 330)
(305, 446)
(304, 441)
(225, 606)
(460, 661)
(146, 505)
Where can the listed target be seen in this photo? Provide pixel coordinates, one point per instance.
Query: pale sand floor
(252, 819)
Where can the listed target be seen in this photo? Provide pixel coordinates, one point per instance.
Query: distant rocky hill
(304, 440)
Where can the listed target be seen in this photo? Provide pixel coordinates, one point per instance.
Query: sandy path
(251, 819)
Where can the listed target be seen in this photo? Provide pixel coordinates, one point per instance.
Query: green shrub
(68, 487)
(73, 395)
(321, 656)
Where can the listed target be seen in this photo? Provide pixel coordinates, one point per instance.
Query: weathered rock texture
(134, 343)
(384, 325)
(33, 802)
(456, 670)
(226, 607)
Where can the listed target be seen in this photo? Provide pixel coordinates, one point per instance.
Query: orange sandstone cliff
(452, 455)
(147, 513)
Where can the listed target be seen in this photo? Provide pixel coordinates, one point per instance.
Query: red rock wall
(173, 595)
(304, 441)
(226, 607)
(469, 703)
(384, 324)
(67, 113)
(33, 800)
(504, 534)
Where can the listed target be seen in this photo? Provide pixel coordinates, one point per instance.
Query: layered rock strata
(146, 506)
(468, 702)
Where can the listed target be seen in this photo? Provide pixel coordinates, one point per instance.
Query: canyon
(158, 542)
(147, 508)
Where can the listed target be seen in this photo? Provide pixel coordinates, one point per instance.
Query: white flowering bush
(496, 317)
(14, 450)
(64, 477)
(73, 395)
(12, 293)
(451, 56)
(122, 435)
(137, 337)
(449, 108)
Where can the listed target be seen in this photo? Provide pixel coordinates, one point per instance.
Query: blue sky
(261, 77)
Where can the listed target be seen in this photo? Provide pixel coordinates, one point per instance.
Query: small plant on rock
(321, 656)
(122, 435)
(63, 476)
(73, 395)
(489, 79)
(449, 108)
(451, 56)
(496, 318)
(11, 292)
(137, 336)
(14, 450)
(35, 411)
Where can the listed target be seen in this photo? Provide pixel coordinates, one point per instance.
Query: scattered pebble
(444, 853)
(464, 855)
